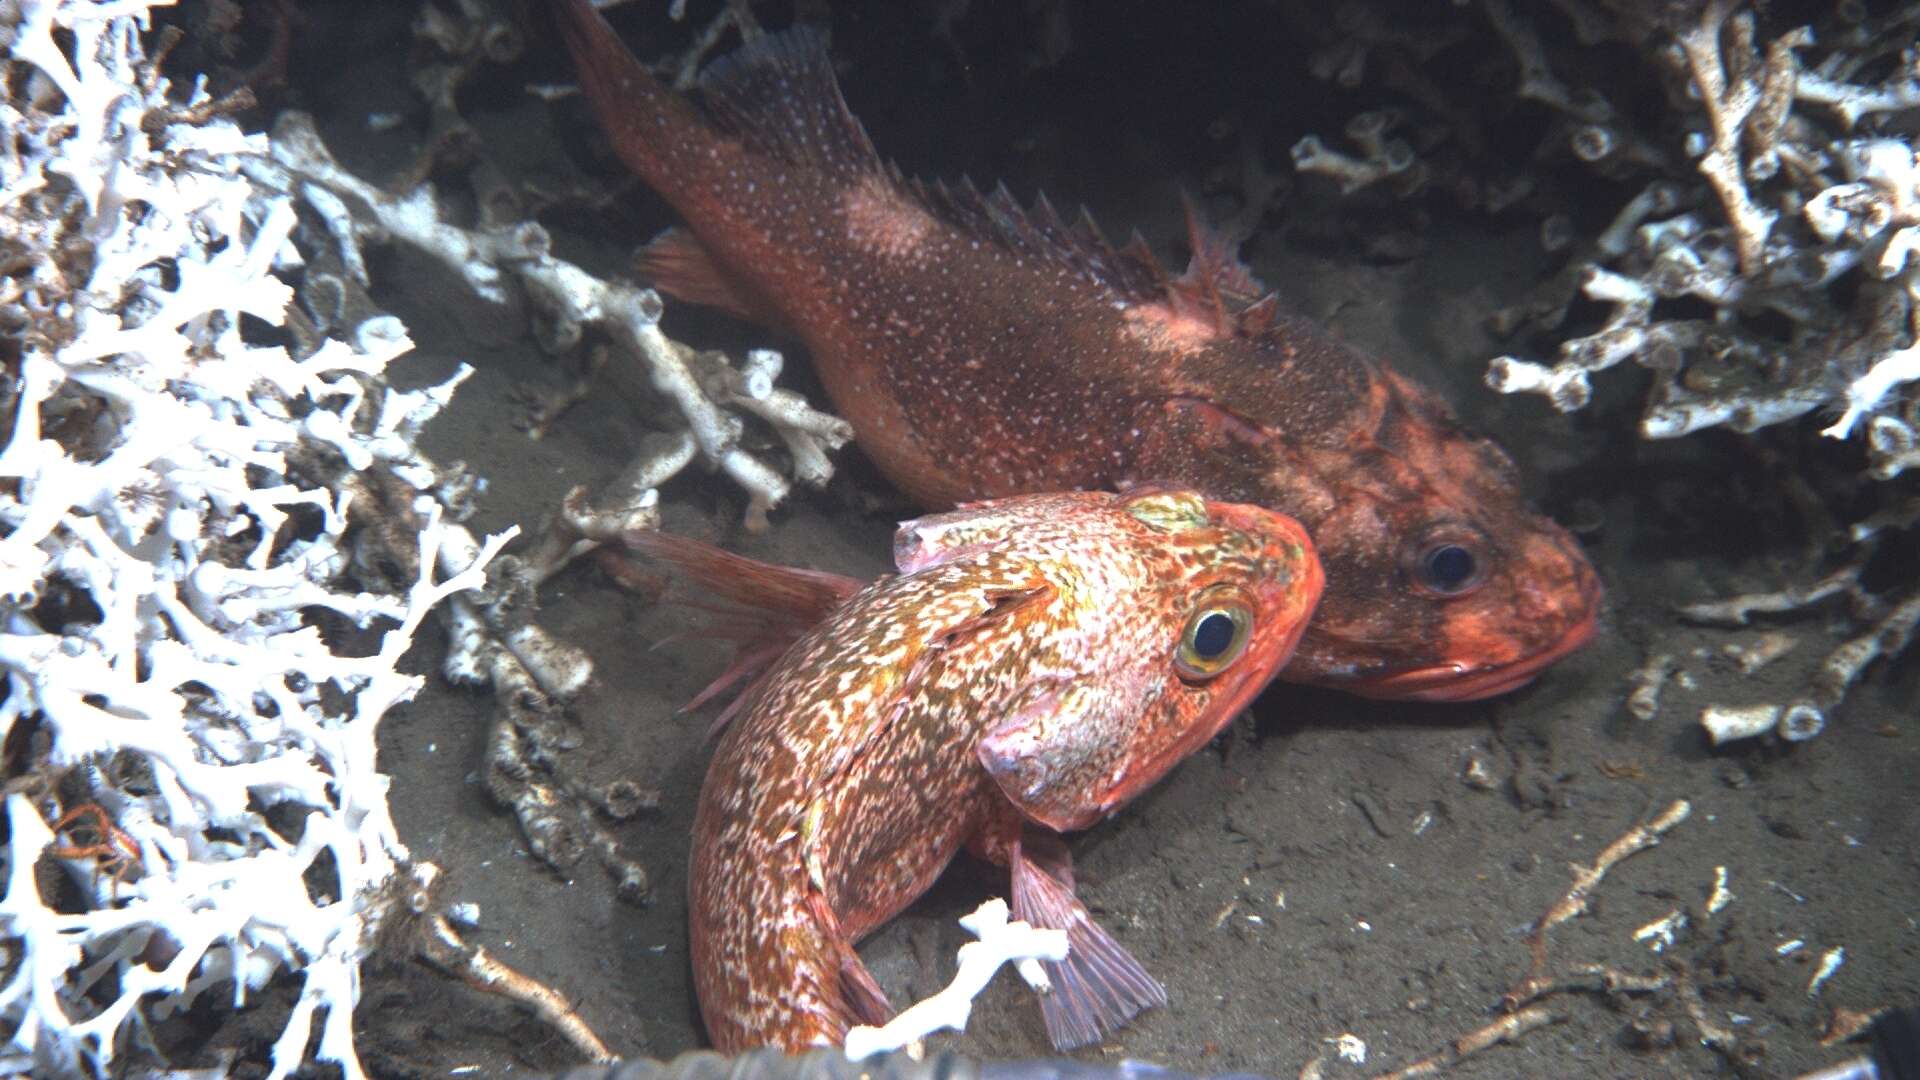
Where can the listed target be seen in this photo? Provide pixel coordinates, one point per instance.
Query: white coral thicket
(174, 509)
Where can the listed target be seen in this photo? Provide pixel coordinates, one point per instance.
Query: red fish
(979, 350)
(1037, 662)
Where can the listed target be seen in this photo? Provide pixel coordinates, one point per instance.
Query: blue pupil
(1213, 636)
(1449, 567)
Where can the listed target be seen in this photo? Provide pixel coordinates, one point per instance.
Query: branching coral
(1803, 212)
(1801, 252)
(493, 260)
(1762, 266)
(721, 405)
(200, 631)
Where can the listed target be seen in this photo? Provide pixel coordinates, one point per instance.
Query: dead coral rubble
(1801, 206)
(1763, 260)
(719, 409)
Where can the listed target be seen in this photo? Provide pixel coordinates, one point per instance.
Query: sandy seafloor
(1323, 868)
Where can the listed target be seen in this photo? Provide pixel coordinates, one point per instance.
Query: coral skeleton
(1001, 942)
(1764, 273)
(1643, 701)
(1587, 878)
(1381, 157)
(709, 396)
(722, 408)
(1805, 204)
(199, 640)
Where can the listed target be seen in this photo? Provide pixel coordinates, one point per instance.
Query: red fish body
(980, 350)
(1038, 662)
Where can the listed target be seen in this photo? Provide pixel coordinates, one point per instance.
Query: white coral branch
(159, 460)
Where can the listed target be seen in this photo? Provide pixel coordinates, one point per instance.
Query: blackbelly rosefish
(1037, 662)
(980, 349)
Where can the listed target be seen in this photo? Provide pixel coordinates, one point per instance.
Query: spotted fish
(980, 349)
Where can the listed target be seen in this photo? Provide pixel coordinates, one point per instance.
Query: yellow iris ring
(1220, 600)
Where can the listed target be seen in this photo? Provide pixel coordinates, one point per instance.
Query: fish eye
(1215, 636)
(1449, 567)
(1450, 561)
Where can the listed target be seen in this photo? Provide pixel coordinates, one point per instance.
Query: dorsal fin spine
(1259, 315)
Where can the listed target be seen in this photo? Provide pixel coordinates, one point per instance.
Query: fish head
(1246, 582)
(1221, 595)
(1448, 584)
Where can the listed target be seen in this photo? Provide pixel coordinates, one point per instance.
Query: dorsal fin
(1217, 287)
(771, 607)
(1140, 253)
(1087, 232)
(1040, 233)
(778, 94)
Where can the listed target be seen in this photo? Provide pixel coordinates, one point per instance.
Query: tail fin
(654, 130)
(763, 608)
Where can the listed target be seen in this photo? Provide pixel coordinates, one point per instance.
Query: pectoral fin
(677, 264)
(1055, 757)
(1099, 986)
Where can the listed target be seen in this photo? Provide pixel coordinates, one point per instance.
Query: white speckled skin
(982, 349)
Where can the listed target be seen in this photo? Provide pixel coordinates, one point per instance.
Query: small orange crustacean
(111, 847)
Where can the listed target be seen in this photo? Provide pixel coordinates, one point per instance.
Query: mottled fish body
(1037, 662)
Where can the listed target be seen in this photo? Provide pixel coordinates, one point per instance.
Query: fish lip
(1455, 682)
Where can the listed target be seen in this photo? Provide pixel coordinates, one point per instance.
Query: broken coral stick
(1001, 942)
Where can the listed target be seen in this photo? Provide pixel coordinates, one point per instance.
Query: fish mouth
(1465, 682)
